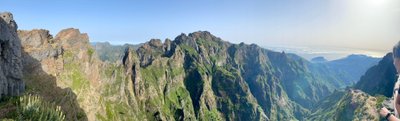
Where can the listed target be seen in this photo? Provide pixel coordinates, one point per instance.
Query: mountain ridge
(201, 59)
(197, 76)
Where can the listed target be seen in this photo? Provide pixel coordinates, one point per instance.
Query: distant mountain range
(350, 68)
(111, 53)
(329, 53)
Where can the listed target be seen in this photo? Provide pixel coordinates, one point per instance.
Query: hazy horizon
(361, 24)
(329, 53)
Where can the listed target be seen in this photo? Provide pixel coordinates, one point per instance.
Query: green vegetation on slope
(348, 105)
(31, 107)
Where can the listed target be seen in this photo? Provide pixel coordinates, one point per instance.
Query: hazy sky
(366, 24)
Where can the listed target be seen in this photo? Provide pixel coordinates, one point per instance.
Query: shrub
(34, 108)
(90, 51)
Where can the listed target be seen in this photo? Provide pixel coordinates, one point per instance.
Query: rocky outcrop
(35, 38)
(38, 45)
(11, 83)
(348, 105)
(57, 68)
(72, 38)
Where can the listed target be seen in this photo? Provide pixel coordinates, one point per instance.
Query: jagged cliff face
(11, 83)
(57, 68)
(39, 45)
(65, 70)
(178, 80)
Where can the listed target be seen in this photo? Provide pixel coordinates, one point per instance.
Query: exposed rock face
(8, 18)
(38, 45)
(11, 83)
(35, 38)
(51, 67)
(72, 38)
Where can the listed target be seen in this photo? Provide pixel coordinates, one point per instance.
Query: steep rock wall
(11, 83)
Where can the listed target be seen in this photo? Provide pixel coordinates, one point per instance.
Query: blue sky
(366, 24)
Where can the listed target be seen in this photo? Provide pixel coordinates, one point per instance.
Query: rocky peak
(35, 38)
(155, 43)
(152, 49)
(186, 40)
(191, 39)
(195, 36)
(39, 44)
(167, 42)
(281, 58)
(182, 36)
(71, 33)
(202, 34)
(8, 27)
(8, 18)
(72, 38)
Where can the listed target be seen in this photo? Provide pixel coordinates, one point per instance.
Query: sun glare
(376, 3)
